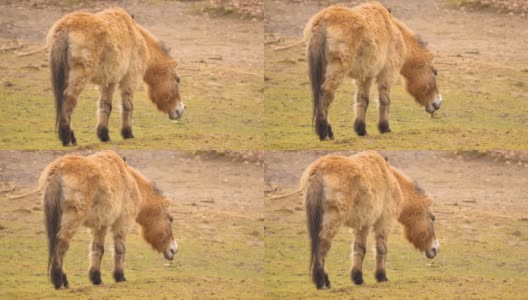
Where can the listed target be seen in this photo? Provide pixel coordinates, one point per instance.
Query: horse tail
(59, 68)
(52, 213)
(314, 217)
(317, 67)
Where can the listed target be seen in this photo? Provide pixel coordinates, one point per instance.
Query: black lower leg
(126, 133)
(102, 133)
(381, 276)
(95, 276)
(119, 276)
(65, 134)
(320, 278)
(360, 127)
(383, 126)
(57, 276)
(357, 276)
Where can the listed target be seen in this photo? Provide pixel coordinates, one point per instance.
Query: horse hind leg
(119, 235)
(96, 254)
(69, 225)
(334, 76)
(79, 76)
(127, 97)
(381, 254)
(103, 112)
(328, 232)
(359, 248)
(362, 102)
(383, 108)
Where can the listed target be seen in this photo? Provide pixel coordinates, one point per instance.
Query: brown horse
(368, 44)
(111, 50)
(101, 192)
(362, 192)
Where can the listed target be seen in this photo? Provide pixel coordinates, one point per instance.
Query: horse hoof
(126, 133)
(357, 277)
(119, 276)
(381, 276)
(383, 127)
(95, 277)
(102, 134)
(360, 127)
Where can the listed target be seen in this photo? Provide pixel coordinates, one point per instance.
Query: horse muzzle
(435, 104)
(171, 251)
(433, 251)
(178, 112)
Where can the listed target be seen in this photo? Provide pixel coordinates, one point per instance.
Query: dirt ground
(483, 70)
(220, 65)
(218, 223)
(482, 217)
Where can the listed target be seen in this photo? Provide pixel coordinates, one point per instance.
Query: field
(481, 221)
(483, 73)
(218, 223)
(220, 65)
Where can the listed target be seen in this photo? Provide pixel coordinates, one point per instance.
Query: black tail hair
(59, 69)
(317, 68)
(314, 219)
(52, 216)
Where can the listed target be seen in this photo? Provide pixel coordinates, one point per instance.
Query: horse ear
(389, 10)
(386, 158)
(124, 158)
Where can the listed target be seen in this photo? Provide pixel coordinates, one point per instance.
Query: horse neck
(412, 47)
(409, 200)
(148, 204)
(157, 59)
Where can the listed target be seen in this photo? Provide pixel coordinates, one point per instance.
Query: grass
(223, 111)
(479, 112)
(222, 266)
(481, 257)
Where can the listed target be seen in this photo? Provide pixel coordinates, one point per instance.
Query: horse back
(97, 189)
(364, 38)
(104, 44)
(359, 189)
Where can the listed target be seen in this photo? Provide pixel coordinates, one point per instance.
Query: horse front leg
(119, 255)
(362, 102)
(96, 254)
(381, 254)
(384, 108)
(127, 98)
(359, 248)
(103, 111)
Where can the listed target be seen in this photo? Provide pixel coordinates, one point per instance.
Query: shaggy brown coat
(111, 50)
(101, 192)
(362, 192)
(368, 44)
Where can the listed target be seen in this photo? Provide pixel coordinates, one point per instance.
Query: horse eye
(435, 72)
(170, 219)
(177, 79)
(433, 218)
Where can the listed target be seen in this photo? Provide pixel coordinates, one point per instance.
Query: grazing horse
(368, 44)
(362, 192)
(101, 192)
(111, 50)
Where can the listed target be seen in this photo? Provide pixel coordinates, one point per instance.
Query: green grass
(225, 115)
(225, 265)
(484, 107)
(480, 258)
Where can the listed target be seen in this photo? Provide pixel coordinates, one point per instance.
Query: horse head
(418, 221)
(156, 226)
(420, 78)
